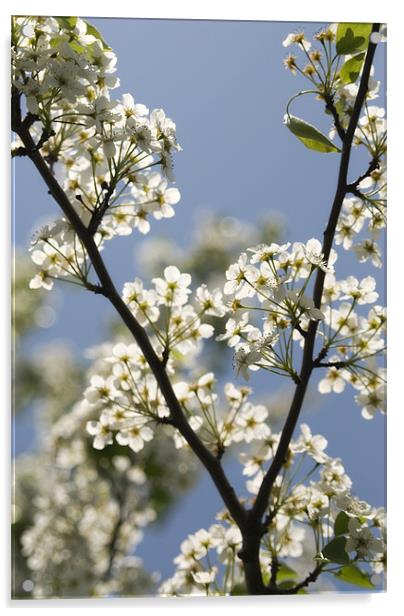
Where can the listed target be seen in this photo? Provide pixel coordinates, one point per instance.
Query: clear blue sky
(224, 85)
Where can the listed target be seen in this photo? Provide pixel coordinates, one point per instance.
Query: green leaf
(80, 49)
(341, 524)
(309, 135)
(335, 551)
(68, 23)
(353, 575)
(94, 32)
(285, 573)
(352, 37)
(286, 585)
(349, 71)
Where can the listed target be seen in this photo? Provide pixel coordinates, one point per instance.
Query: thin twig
(353, 187)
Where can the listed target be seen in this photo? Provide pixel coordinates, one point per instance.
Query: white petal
(171, 273)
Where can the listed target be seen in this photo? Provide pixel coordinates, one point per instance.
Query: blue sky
(224, 85)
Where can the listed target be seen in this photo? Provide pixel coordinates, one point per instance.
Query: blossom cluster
(167, 310)
(310, 516)
(325, 74)
(83, 512)
(339, 88)
(264, 283)
(126, 397)
(123, 389)
(365, 215)
(358, 342)
(103, 151)
(270, 310)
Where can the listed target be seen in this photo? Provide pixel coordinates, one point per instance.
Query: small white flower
(130, 110)
(361, 540)
(332, 381)
(297, 38)
(101, 431)
(291, 537)
(204, 577)
(318, 504)
(236, 276)
(333, 479)
(313, 445)
(355, 507)
(250, 423)
(368, 250)
(331, 291)
(235, 329)
(173, 288)
(371, 401)
(263, 252)
(100, 389)
(314, 254)
(135, 434)
(243, 359)
(211, 302)
(363, 292)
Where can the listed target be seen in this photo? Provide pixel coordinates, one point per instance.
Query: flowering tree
(108, 165)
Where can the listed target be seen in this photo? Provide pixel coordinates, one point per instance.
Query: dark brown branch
(249, 554)
(99, 212)
(274, 572)
(353, 188)
(312, 577)
(95, 288)
(330, 364)
(108, 289)
(165, 356)
(355, 191)
(299, 328)
(329, 105)
(262, 499)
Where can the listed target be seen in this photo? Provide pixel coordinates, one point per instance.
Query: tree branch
(99, 212)
(353, 188)
(312, 577)
(330, 364)
(107, 288)
(261, 502)
(329, 105)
